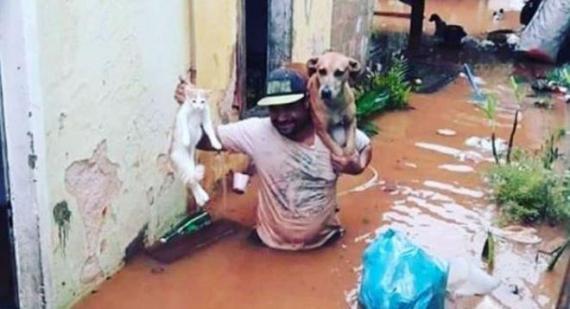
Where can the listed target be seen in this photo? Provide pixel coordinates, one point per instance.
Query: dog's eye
(322, 71)
(338, 73)
(194, 101)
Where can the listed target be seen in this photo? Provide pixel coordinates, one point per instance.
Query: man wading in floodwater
(297, 199)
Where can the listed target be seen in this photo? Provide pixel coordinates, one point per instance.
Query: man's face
(290, 118)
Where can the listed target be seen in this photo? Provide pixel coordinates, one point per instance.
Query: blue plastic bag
(398, 274)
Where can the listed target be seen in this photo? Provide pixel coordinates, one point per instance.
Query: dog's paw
(201, 196)
(187, 179)
(199, 172)
(349, 153)
(216, 144)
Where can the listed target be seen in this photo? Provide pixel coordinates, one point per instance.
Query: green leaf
(488, 253)
(369, 128)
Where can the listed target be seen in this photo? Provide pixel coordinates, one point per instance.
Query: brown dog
(332, 101)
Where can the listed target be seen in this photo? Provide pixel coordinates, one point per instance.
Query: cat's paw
(201, 196)
(216, 144)
(199, 172)
(186, 178)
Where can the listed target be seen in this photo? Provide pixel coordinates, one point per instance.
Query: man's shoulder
(249, 124)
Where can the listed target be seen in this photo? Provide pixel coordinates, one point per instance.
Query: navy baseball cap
(284, 86)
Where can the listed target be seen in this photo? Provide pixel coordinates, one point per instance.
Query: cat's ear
(207, 92)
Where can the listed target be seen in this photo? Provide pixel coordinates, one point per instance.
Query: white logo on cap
(279, 86)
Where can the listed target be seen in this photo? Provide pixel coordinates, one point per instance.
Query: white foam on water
(484, 143)
(410, 164)
(458, 168)
(453, 189)
(446, 132)
(439, 148)
(372, 182)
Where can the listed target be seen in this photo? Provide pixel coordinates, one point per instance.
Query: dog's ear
(354, 68)
(312, 65)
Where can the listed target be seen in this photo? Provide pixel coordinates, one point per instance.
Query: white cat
(193, 116)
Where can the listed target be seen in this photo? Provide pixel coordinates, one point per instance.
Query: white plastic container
(240, 182)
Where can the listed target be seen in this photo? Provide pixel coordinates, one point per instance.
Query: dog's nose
(326, 93)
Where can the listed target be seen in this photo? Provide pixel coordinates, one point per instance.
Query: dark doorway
(7, 265)
(256, 12)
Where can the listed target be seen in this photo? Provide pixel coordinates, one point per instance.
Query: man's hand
(182, 89)
(345, 164)
(353, 164)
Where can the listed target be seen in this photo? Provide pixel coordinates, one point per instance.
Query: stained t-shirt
(297, 198)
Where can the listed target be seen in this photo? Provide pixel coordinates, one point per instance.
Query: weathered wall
(216, 24)
(351, 21)
(312, 22)
(108, 71)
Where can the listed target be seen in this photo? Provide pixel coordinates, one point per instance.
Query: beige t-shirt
(297, 198)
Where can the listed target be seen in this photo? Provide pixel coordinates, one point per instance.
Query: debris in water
(488, 253)
(513, 39)
(457, 168)
(485, 144)
(552, 245)
(558, 255)
(372, 182)
(409, 164)
(465, 279)
(544, 102)
(543, 300)
(489, 303)
(157, 269)
(517, 233)
(476, 79)
(515, 289)
(362, 237)
(453, 189)
(446, 132)
(439, 148)
(469, 155)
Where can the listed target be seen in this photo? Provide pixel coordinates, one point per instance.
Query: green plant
(550, 151)
(519, 96)
(560, 75)
(528, 192)
(489, 109)
(394, 81)
(377, 92)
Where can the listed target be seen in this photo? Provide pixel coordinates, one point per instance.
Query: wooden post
(416, 24)
(280, 35)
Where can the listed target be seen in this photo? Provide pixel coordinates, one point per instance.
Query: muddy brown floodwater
(429, 186)
(443, 211)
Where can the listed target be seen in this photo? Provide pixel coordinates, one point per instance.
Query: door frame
(279, 42)
(25, 149)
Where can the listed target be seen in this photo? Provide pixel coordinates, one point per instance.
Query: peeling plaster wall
(216, 27)
(108, 70)
(351, 22)
(312, 22)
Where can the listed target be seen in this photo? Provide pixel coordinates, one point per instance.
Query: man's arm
(205, 144)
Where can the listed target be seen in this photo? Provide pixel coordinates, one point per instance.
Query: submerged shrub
(377, 92)
(529, 192)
